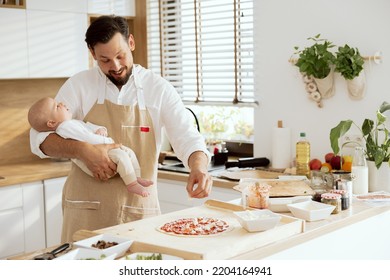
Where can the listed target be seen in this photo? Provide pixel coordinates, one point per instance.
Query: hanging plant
(316, 61)
(349, 62)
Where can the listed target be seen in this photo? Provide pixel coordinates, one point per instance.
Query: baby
(48, 115)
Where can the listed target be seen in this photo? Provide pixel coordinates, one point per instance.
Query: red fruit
(328, 157)
(315, 164)
(336, 163)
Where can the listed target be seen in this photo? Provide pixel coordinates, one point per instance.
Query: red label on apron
(144, 128)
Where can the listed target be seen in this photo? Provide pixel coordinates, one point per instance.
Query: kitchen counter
(361, 232)
(38, 170)
(46, 169)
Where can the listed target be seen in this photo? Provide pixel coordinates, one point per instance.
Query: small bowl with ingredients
(311, 210)
(106, 244)
(257, 220)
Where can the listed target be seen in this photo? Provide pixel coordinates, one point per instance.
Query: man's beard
(120, 81)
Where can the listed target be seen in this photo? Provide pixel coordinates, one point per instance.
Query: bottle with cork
(303, 156)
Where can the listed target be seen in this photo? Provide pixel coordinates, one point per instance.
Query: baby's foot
(137, 189)
(144, 182)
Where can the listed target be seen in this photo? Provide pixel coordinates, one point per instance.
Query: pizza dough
(195, 227)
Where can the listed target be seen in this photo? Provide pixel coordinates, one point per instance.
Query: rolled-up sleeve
(36, 139)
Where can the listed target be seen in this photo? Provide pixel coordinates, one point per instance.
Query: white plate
(143, 254)
(86, 254)
(119, 249)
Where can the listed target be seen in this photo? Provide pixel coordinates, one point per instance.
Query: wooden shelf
(21, 4)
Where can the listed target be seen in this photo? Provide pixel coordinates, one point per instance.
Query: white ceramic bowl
(147, 256)
(257, 220)
(311, 210)
(119, 249)
(279, 204)
(86, 254)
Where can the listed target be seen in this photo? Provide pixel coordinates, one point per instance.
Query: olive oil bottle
(303, 156)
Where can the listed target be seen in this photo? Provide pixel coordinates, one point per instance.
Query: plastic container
(303, 156)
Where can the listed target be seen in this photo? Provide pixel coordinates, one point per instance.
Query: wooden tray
(224, 246)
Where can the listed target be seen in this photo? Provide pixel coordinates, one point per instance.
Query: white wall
(282, 24)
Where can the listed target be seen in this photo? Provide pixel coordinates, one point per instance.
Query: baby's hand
(101, 131)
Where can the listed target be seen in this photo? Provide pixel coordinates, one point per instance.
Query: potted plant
(377, 146)
(317, 62)
(349, 63)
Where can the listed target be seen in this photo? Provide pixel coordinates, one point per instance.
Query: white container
(379, 179)
(119, 249)
(360, 180)
(257, 220)
(279, 204)
(86, 254)
(311, 210)
(359, 172)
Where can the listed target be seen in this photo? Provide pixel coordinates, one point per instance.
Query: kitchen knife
(51, 255)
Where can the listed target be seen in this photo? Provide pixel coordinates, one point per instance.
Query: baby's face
(58, 111)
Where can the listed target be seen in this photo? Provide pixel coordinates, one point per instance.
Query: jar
(256, 195)
(344, 198)
(332, 199)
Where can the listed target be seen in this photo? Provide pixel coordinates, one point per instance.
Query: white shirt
(82, 131)
(80, 92)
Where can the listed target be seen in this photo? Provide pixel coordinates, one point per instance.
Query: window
(205, 49)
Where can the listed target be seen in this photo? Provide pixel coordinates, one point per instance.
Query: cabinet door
(53, 210)
(173, 196)
(75, 6)
(56, 43)
(13, 48)
(34, 216)
(11, 221)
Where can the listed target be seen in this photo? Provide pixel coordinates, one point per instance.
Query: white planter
(326, 85)
(379, 179)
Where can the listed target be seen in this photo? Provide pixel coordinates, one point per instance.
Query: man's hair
(104, 28)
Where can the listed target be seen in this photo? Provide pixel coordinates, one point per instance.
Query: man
(133, 104)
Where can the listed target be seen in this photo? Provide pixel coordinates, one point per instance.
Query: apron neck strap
(140, 90)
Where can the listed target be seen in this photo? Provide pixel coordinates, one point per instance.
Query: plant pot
(378, 179)
(357, 86)
(326, 85)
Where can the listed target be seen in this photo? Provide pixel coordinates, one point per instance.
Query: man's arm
(94, 156)
(198, 162)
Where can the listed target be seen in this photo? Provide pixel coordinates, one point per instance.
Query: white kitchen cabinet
(107, 7)
(173, 195)
(73, 6)
(13, 48)
(53, 209)
(21, 219)
(56, 46)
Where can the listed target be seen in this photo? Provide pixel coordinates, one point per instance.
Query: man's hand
(200, 181)
(96, 159)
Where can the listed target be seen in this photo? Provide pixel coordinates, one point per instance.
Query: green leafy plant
(375, 135)
(316, 60)
(349, 62)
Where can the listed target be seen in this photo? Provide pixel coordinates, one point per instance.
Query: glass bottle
(303, 155)
(359, 172)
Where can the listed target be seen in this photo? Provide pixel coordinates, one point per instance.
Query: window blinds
(204, 48)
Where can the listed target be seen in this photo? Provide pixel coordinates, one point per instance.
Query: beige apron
(92, 204)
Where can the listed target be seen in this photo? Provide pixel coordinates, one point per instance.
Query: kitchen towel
(281, 147)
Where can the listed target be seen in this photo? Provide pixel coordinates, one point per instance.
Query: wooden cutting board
(224, 246)
(285, 188)
(256, 174)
